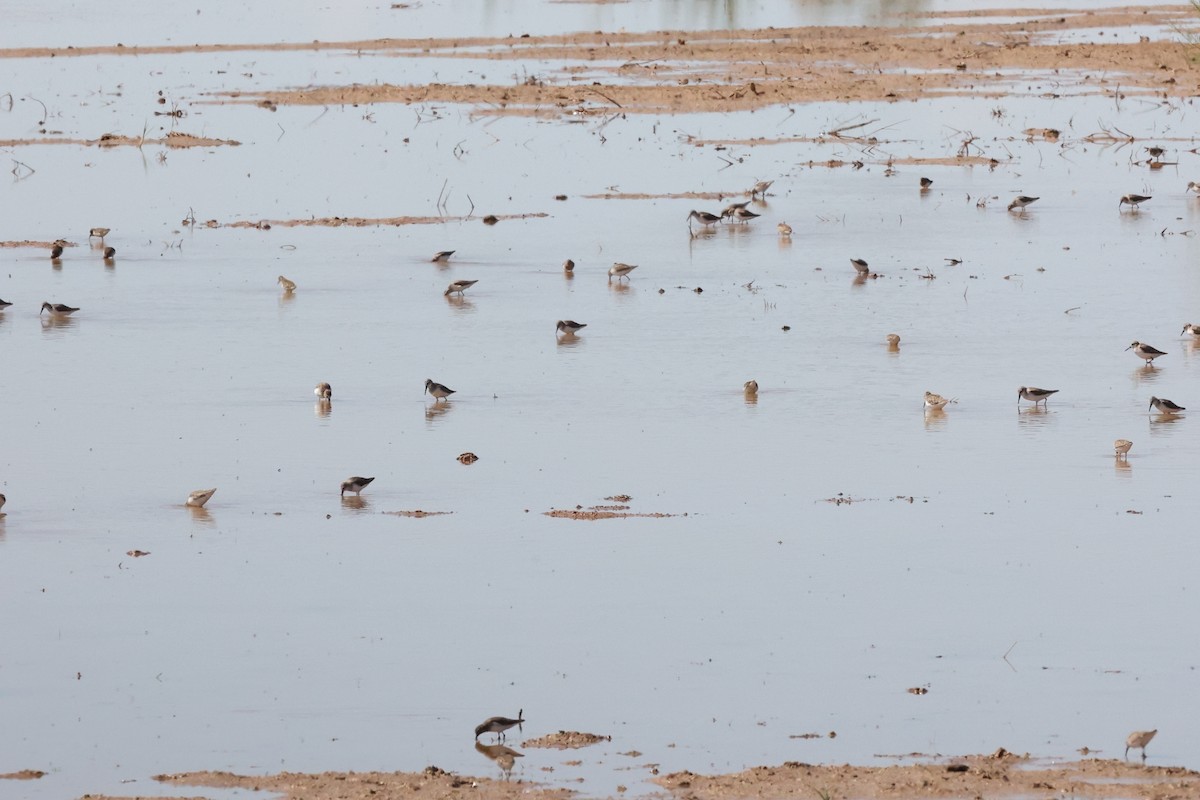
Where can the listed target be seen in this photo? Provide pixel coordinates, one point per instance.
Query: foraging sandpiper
(98, 233)
(288, 286)
(198, 498)
(620, 270)
(1121, 447)
(57, 309)
(703, 217)
(1020, 201)
(1035, 394)
(324, 392)
(750, 387)
(745, 215)
(1134, 200)
(1165, 406)
(1145, 352)
(1139, 739)
(442, 256)
(893, 340)
(4, 304)
(437, 390)
(760, 188)
(784, 229)
(56, 252)
(355, 484)
(568, 266)
(569, 326)
(860, 266)
(498, 725)
(937, 402)
(459, 286)
(1194, 330)
(926, 183)
(110, 253)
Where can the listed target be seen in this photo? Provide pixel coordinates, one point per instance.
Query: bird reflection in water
(1146, 374)
(202, 516)
(355, 503)
(460, 303)
(432, 412)
(57, 322)
(504, 756)
(323, 408)
(1034, 416)
(935, 418)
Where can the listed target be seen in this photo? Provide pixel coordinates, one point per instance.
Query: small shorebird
(745, 215)
(784, 229)
(893, 339)
(760, 188)
(1155, 152)
(733, 208)
(438, 391)
(926, 183)
(498, 725)
(288, 286)
(198, 498)
(620, 270)
(937, 402)
(1145, 352)
(459, 287)
(442, 256)
(860, 266)
(1139, 739)
(3, 500)
(4, 304)
(1121, 447)
(56, 252)
(1165, 406)
(568, 266)
(1020, 201)
(1194, 330)
(98, 233)
(324, 392)
(355, 484)
(1134, 200)
(703, 217)
(1035, 394)
(57, 310)
(569, 326)
(110, 253)
(751, 387)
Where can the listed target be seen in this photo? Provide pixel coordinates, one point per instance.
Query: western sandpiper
(3, 500)
(784, 229)
(288, 286)
(926, 183)
(324, 392)
(745, 215)
(1134, 200)
(751, 387)
(1194, 330)
(703, 217)
(1022, 200)
(1121, 447)
(1165, 406)
(498, 725)
(198, 498)
(1145, 352)
(355, 484)
(110, 253)
(1139, 739)
(568, 266)
(733, 208)
(57, 310)
(860, 266)
(620, 270)
(442, 255)
(760, 188)
(569, 326)
(1035, 394)
(56, 252)
(98, 233)
(459, 286)
(893, 339)
(1155, 152)
(437, 390)
(937, 402)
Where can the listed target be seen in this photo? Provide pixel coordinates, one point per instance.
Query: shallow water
(990, 553)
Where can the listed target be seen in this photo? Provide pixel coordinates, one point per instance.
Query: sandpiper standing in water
(1194, 330)
(1165, 406)
(324, 392)
(288, 286)
(57, 309)
(1134, 200)
(1121, 447)
(750, 387)
(785, 230)
(98, 233)
(56, 252)
(569, 327)
(1035, 394)
(760, 188)
(437, 390)
(442, 256)
(198, 498)
(1145, 352)
(620, 270)
(703, 217)
(355, 484)
(110, 253)
(926, 183)
(1139, 739)
(860, 266)
(459, 286)
(498, 725)
(937, 402)
(1022, 200)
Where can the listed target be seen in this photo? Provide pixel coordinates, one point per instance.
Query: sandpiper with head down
(1035, 394)
(937, 402)
(110, 253)
(1020, 201)
(324, 392)
(459, 287)
(437, 390)
(760, 188)
(744, 215)
(1134, 200)
(98, 233)
(1121, 448)
(498, 725)
(442, 256)
(569, 327)
(56, 252)
(860, 266)
(1189, 328)
(1139, 739)
(785, 230)
(750, 387)
(1165, 406)
(1145, 352)
(703, 217)
(620, 270)
(57, 309)
(288, 286)
(355, 484)
(198, 498)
